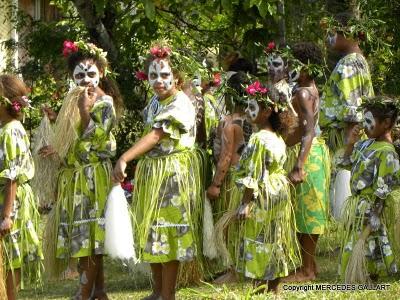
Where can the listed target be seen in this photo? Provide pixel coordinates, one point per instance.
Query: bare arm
(244, 208)
(306, 116)
(10, 193)
(144, 145)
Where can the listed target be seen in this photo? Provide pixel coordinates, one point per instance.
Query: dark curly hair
(382, 107)
(13, 89)
(308, 52)
(108, 85)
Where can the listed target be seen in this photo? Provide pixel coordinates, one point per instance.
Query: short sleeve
(253, 163)
(176, 118)
(15, 158)
(387, 174)
(102, 120)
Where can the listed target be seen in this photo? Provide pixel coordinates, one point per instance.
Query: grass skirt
(167, 204)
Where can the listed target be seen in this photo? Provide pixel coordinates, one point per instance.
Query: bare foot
(229, 277)
(300, 276)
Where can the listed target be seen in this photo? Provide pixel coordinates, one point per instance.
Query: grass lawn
(123, 285)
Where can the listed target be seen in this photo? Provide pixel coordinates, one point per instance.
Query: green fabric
(84, 184)
(341, 96)
(168, 195)
(311, 200)
(210, 114)
(22, 248)
(267, 241)
(374, 175)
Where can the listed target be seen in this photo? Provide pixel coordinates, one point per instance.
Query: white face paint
(276, 67)
(294, 75)
(252, 109)
(86, 73)
(369, 121)
(197, 80)
(331, 39)
(160, 75)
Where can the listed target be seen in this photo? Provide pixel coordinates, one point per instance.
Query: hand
(50, 113)
(355, 134)
(297, 175)
(213, 192)
(88, 97)
(5, 226)
(118, 174)
(47, 151)
(243, 211)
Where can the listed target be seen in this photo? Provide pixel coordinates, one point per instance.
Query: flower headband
(380, 102)
(19, 104)
(70, 47)
(315, 70)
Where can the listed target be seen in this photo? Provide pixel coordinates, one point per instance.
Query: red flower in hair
(256, 87)
(69, 47)
(127, 186)
(16, 106)
(270, 47)
(217, 79)
(140, 75)
(160, 52)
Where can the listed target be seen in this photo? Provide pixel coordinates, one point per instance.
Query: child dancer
(85, 181)
(268, 248)
(374, 167)
(19, 215)
(165, 201)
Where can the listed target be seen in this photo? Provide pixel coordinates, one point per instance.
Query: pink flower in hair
(140, 75)
(217, 79)
(69, 47)
(256, 87)
(160, 52)
(270, 47)
(16, 106)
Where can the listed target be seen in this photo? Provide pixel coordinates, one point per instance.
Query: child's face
(86, 73)
(161, 77)
(374, 128)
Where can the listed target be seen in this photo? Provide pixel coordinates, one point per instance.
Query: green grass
(121, 284)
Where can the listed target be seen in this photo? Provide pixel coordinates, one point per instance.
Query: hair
(283, 121)
(108, 85)
(383, 107)
(13, 88)
(177, 74)
(344, 18)
(242, 64)
(307, 52)
(237, 83)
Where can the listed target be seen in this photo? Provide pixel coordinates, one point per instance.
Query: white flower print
(346, 71)
(156, 247)
(383, 188)
(85, 243)
(181, 253)
(360, 185)
(60, 241)
(165, 248)
(163, 238)
(176, 200)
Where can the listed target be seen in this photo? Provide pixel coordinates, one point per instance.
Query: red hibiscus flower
(69, 47)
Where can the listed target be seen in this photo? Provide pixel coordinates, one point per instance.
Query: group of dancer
(265, 153)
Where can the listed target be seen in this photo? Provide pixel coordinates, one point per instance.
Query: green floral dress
(341, 97)
(167, 198)
(267, 243)
(21, 247)
(84, 184)
(374, 174)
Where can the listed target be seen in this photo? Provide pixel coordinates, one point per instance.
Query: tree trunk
(97, 31)
(281, 23)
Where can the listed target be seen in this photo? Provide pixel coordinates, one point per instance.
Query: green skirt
(21, 247)
(380, 247)
(311, 197)
(82, 196)
(268, 246)
(167, 204)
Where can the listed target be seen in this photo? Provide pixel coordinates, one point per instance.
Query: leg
(273, 285)
(229, 277)
(87, 270)
(99, 291)
(72, 270)
(157, 274)
(12, 283)
(169, 276)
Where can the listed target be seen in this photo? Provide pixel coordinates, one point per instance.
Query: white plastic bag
(209, 247)
(119, 241)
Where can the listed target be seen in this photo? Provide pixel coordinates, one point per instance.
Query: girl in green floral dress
(374, 174)
(267, 243)
(166, 196)
(19, 215)
(85, 180)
